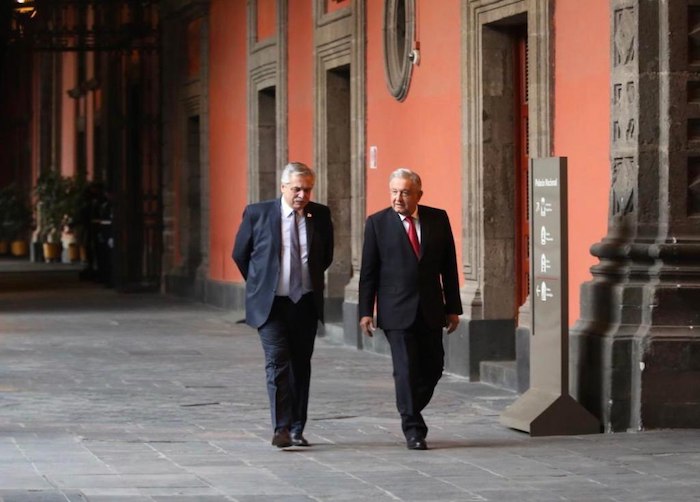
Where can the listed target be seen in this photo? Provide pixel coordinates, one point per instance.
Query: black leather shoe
(416, 443)
(281, 439)
(299, 440)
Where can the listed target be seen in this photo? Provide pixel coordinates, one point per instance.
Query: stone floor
(107, 397)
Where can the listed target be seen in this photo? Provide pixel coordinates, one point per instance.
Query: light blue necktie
(295, 289)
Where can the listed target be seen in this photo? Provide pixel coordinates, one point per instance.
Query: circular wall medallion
(399, 27)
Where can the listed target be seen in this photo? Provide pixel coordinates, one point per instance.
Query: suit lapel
(424, 230)
(399, 229)
(276, 222)
(308, 218)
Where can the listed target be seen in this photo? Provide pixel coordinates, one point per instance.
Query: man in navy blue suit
(409, 267)
(283, 248)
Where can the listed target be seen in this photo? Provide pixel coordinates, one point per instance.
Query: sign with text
(547, 408)
(549, 269)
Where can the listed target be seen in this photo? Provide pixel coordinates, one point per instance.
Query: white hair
(405, 173)
(296, 168)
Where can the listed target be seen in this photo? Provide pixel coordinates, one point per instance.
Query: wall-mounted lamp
(25, 7)
(75, 92)
(91, 84)
(414, 55)
(82, 89)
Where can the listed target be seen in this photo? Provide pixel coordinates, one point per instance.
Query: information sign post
(547, 408)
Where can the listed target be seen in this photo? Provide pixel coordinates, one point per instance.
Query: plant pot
(20, 248)
(52, 251)
(83, 254)
(73, 252)
(4, 247)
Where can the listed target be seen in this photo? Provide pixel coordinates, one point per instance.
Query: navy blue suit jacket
(258, 250)
(399, 281)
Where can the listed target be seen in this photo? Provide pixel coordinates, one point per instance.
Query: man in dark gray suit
(283, 248)
(409, 268)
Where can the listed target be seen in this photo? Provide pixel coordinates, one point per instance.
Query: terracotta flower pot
(20, 248)
(4, 247)
(52, 251)
(73, 252)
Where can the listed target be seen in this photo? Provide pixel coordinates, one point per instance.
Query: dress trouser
(418, 358)
(287, 339)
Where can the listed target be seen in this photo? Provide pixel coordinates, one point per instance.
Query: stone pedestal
(478, 340)
(636, 348)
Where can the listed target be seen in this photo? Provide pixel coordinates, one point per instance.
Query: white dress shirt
(416, 221)
(283, 283)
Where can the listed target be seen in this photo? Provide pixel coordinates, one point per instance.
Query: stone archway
(489, 191)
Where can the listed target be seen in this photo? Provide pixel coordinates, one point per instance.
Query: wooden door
(522, 229)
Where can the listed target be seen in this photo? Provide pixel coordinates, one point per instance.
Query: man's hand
(367, 325)
(452, 322)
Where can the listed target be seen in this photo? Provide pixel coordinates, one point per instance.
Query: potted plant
(15, 218)
(60, 201)
(73, 223)
(4, 237)
(52, 193)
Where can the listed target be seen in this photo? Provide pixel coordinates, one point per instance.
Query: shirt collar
(286, 209)
(414, 215)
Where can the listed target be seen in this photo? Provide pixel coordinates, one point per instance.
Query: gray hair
(405, 173)
(296, 168)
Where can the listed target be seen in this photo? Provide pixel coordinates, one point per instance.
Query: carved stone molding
(624, 111)
(340, 40)
(185, 97)
(340, 43)
(399, 32)
(476, 15)
(630, 345)
(323, 18)
(267, 67)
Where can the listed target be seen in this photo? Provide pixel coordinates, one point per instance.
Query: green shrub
(15, 215)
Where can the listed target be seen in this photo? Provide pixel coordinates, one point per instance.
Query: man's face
(297, 192)
(404, 196)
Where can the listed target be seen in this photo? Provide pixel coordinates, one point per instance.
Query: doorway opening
(267, 144)
(505, 159)
(522, 158)
(193, 253)
(339, 187)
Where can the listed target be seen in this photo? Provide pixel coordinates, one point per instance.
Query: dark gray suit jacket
(400, 282)
(258, 249)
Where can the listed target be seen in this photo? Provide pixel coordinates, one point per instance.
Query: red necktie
(413, 236)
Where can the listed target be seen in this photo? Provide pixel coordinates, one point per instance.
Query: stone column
(202, 274)
(636, 348)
